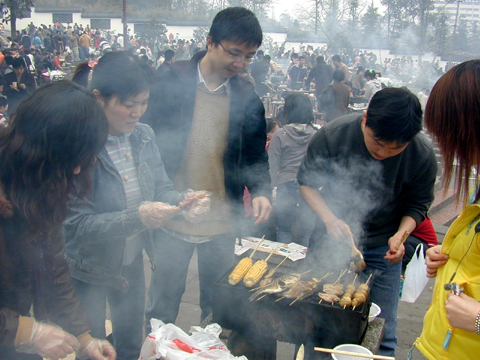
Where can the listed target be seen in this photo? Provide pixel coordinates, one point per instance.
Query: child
(3, 110)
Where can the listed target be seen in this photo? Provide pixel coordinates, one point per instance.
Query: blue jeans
(172, 256)
(385, 287)
(126, 310)
(288, 196)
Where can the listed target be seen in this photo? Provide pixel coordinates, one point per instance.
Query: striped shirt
(119, 149)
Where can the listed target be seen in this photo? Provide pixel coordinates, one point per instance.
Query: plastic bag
(169, 342)
(415, 276)
(195, 205)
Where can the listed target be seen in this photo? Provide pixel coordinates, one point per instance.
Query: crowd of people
(135, 158)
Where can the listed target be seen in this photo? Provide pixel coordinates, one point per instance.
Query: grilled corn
(240, 270)
(255, 273)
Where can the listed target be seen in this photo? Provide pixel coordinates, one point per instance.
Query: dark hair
(338, 75)
(117, 73)
(320, 59)
(271, 124)
(394, 114)
(267, 57)
(360, 70)
(18, 62)
(298, 109)
(336, 58)
(169, 54)
(369, 73)
(236, 24)
(57, 128)
(260, 52)
(301, 57)
(451, 116)
(3, 101)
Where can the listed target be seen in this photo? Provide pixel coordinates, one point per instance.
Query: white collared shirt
(200, 79)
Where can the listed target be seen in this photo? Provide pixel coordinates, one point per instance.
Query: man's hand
(434, 259)
(339, 230)
(393, 255)
(22, 86)
(261, 209)
(462, 311)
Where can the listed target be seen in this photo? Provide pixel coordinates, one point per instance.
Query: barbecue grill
(306, 321)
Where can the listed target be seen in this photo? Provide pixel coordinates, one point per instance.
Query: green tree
(370, 23)
(200, 34)
(152, 29)
(15, 9)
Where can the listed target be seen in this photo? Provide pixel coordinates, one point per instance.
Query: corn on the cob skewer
(242, 267)
(256, 272)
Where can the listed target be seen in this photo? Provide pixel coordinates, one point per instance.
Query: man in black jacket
(210, 128)
(322, 75)
(370, 177)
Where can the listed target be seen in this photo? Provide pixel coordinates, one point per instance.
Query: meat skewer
(328, 298)
(335, 288)
(361, 294)
(277, 285)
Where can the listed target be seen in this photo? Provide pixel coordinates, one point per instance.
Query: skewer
(366, 282)
(281, 262)
(256, 247)
(354, 279)
(404, 237)
(353, 308)
(341, 274)
(320, 301)
(341, 352)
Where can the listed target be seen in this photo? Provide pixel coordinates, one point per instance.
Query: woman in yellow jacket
(452, 323)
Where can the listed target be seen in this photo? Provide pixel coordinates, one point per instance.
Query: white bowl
(351, 348)
(374, 312)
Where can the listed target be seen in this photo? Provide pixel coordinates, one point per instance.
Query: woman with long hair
(49, 146)
(451, 327)
(105, 233)
(285, 153)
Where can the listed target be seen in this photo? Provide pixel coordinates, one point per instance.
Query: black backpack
(327, 99)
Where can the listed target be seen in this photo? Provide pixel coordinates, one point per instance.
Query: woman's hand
(195, 206)
(156, 214)
(434, 259)
(462, 311)
(97, 350)
(49, 341)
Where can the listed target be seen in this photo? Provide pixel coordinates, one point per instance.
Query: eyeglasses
(236, 58)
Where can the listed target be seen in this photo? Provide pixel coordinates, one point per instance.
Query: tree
(152, 29)
(200, 34)
(15, 9)
(370, 22)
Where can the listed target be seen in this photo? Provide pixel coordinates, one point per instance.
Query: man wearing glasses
(210, 128)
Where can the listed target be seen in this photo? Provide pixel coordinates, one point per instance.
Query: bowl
(374, 312)
(352, 348)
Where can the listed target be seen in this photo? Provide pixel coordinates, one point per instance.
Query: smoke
(354, 191)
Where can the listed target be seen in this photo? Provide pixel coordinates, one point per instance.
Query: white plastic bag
(169, 342)
(415, 276)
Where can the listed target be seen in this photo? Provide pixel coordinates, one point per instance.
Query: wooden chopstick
(404, 237)
(341, 352)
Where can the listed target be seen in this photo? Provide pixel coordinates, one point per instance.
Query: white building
(113, 22)
(468, 10)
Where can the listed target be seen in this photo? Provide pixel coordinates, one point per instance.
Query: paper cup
(14, 84)
(351, 348)
(374, 312)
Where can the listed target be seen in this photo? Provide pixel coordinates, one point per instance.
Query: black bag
(327, 100)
